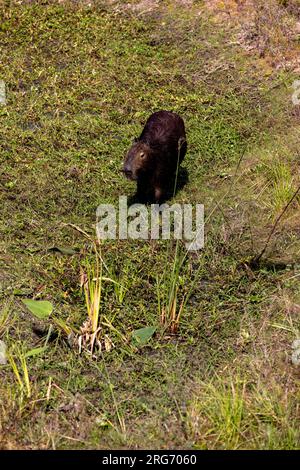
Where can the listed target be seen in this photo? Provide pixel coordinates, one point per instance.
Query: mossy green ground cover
(81, 81)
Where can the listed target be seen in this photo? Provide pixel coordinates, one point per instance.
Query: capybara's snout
(127, 170)
(135, 161)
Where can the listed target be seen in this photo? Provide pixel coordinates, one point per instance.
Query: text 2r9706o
(171, 459)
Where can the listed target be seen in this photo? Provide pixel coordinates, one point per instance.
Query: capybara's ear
(135, 140)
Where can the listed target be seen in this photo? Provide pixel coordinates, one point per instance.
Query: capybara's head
(137, 161)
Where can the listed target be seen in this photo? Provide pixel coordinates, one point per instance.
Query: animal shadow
(182, 180)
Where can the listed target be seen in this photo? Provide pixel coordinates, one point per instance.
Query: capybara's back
(154, 158)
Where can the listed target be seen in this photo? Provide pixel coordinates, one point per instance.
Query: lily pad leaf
(142, 335)
(39, 308)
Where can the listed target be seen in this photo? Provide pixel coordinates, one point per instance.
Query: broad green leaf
(64, 250)
(22, 292)
(40, 308)
(35, 351)
(143, 335)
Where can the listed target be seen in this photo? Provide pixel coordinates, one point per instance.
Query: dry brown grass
(268, 30)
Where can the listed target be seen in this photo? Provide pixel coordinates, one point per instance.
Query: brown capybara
(154, 157)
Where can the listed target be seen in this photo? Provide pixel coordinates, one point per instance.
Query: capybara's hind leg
(182, 148)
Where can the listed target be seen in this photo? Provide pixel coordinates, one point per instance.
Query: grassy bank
(80, 82)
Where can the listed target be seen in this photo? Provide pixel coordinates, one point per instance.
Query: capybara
(154, 158)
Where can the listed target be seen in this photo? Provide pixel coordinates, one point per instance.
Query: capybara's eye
(142, 155)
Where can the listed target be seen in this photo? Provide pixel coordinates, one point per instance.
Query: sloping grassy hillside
(81, 80)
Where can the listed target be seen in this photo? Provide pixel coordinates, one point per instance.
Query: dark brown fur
(155, 156)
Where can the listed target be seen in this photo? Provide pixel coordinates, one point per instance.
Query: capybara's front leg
(158, 194)
(143, 191)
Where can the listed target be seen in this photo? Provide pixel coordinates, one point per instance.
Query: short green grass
(81, 81)
(235, 413)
